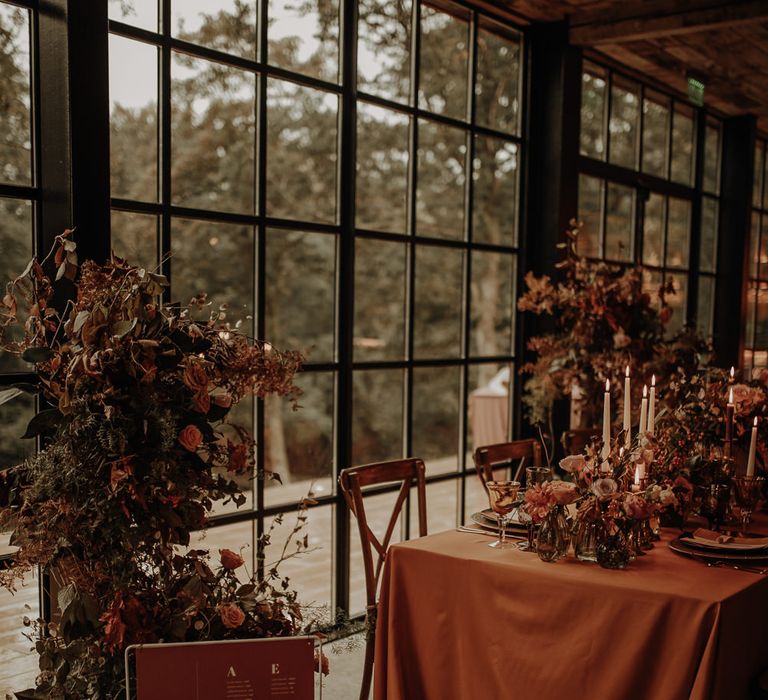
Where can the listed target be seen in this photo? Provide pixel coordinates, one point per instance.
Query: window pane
(677, 302)
(488, 405)
(712, 159)
(304, 37)
(497, 85)
(311, 572)
(20, 667)
(300, 294)
(384, 49)
(651, 285)
(239, 537)
(761, 324)
(494, 171)
(444, 60)
(653, 230)
(381, 196)
(492, 330)
(218, 260)
(15, 104)
(705, 305)
(213, 135)
(16, 251)
(139, 13)
(593, 89)
(749, 328)
(14, 417)
(619, 222)
(655, 134)
(134, 238)
(377, 415)
(437, 322)
(302, 133)
(225, 25)
(298, 445)
(133, 119)
(435, 435)
(380, 268)
(682, 145)
(442, 507)
(678, 232)
(441, 166)
(757, 182)
(762, 270)
(709, 227)
(754, 245)
(590, 214)
(625, 118)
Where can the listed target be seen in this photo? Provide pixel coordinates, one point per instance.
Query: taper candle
(652, 407)
(729, 411)
(752, 450)
(606, 426)
(627, 409)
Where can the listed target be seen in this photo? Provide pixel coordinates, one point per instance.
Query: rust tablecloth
(460, 620)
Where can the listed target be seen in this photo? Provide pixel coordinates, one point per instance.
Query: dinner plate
(701, 543)
(486, 523)
(490, 517)
(681, 545)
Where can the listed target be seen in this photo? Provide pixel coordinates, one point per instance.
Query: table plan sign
(252, 669)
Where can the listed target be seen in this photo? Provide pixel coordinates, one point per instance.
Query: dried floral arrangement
(136, 453)
(602, 321)
(691, 429)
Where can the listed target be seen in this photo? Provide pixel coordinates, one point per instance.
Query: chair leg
(365, 689)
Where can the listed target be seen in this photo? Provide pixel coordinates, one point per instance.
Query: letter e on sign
(275, 669)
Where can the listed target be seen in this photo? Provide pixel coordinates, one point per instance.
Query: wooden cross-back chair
(352, 481)
(490, 457)
(574, 441)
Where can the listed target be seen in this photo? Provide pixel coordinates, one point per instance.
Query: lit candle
(732, 374)
(606, 426)
(729, 411)
(627, 409)
(752, 449)
(643, 411)
(637, 477)
(652, 406)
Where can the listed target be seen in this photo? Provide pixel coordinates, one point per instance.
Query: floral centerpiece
(602, 320)
(137, 450)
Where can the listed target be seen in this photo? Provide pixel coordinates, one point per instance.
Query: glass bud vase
(613, 550)
(585, 539)
(551, 542)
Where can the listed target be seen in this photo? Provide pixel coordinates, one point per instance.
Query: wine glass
(502, 496)
(714, 504)
(748, 492)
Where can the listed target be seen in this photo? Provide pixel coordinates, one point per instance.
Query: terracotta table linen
(458, 619)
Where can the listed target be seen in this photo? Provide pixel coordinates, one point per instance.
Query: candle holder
(748, 490)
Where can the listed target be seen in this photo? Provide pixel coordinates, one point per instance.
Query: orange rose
(222, 400)
(230, 560)
(201, 401)
(191, 438)
(231, 615)
(238, 458)
(195, 377)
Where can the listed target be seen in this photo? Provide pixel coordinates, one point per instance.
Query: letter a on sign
(231, 673)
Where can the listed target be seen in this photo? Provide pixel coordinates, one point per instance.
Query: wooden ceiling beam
(639, 20)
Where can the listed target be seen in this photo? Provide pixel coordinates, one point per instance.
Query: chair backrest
(574, 441)
(505, 454)
(352, 480)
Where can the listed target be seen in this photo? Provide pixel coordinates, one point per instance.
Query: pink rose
(604, 488)
(539, 500)
(573, 464)
(564, 492)
(635, 506)
(230, 560)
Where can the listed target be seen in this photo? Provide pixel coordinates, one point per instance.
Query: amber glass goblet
(748, 491)
(502, 496)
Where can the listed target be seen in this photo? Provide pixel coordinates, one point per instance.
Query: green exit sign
(696, 91)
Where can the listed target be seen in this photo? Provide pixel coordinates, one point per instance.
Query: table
(460, 620)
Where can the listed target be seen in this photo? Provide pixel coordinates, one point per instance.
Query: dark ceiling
(726, 43)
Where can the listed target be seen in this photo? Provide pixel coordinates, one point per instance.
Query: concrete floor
(346, 658)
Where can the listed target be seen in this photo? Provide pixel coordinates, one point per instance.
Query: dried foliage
(135, 457)
(601, 321)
